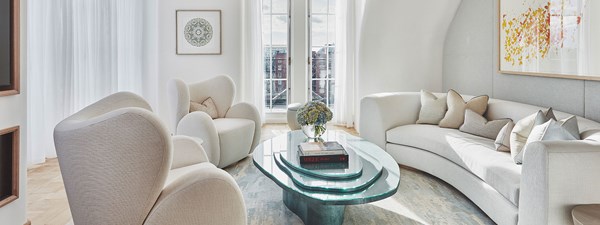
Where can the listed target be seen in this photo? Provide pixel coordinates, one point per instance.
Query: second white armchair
(234, 131)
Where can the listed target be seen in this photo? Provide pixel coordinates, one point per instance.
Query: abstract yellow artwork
(557, 38)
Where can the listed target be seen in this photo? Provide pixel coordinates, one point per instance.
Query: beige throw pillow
(457, 106)
(208, 106)
(519, 134)
(478, 125)
(502, 142)
(433, 108)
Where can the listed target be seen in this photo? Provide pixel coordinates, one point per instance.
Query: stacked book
(322, 152)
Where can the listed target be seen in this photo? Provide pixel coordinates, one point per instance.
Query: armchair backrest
(114, 156)
(220, 88)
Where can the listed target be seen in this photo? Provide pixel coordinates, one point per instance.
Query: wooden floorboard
(46, 198)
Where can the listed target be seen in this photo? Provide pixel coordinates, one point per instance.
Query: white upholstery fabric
(292, 112)
(473, 153)
(496, 206)
(235, 134)
(187, 151)
(175, 174)
(558, 175)
(433, 109)
(562, 174)
(221, 152)
(115, 157)
(208, 196)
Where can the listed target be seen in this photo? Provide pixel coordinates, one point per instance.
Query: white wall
(14, 112)
(401, 45)
(193, 68)
(471, 67)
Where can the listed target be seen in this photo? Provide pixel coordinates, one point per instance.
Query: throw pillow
(457, 106)
(208, 106)
(502, 142)
(433, 108)
(519, 134)
(566, 129)
(478, 125)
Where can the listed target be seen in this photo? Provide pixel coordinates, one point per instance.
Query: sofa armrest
(557, 176)
(247, 111)
(187, 151)
(204, 196)
(199, 124)
(381, 112)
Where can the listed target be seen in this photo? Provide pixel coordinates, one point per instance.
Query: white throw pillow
(457, 106)
(208, 106)
(433, 108)
(566, 129)
(503, 139)
(478, 125)
(522, 129)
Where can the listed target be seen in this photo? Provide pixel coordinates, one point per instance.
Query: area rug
(421, 199)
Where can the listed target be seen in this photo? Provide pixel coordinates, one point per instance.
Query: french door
(299, 52)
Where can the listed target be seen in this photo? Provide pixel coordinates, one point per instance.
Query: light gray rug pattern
(421, 199)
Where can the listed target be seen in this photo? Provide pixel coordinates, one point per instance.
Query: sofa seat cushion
(473, 153)
(179, 172)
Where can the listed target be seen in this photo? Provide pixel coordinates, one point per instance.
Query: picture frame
(9, 47)
(198, 32)
(549, 38)
(9, 165)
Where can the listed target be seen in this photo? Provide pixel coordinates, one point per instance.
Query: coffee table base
(313, 213)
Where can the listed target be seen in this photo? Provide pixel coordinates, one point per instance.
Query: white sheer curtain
(345, 63)
(252, 77)
(79, 52)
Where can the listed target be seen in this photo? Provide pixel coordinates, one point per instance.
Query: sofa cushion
(475, 154)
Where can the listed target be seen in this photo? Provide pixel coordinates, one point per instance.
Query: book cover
(324, 159)
(321, 148)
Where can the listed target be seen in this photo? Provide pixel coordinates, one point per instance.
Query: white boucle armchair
(120, 165)
(230, 137)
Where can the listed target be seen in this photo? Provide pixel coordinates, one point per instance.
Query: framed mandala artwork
(553, 38)
(198, 32)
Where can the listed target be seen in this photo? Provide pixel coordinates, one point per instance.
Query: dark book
(325, 166)
(335, 158)
(321, 148)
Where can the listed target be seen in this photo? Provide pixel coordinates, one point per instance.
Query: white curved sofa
(556, 175)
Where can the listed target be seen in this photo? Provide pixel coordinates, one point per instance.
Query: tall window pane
(322, 39)
(275, 45)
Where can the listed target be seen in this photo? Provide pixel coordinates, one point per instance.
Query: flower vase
(313, 131)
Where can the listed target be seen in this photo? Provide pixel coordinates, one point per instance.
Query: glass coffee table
(319, 195)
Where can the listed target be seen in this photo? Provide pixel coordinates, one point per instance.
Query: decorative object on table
(313, 118)
(9, 47)
(322, 152)
(198, 32)
(549, 38)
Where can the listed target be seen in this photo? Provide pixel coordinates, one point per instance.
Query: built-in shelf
(9, 165)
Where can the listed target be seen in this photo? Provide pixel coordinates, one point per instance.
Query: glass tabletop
(384, 186)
